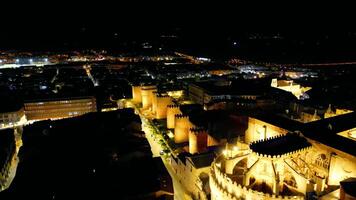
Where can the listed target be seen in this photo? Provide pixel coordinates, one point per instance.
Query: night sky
(218, 31)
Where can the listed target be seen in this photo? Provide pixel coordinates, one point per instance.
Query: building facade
(59, 108)
(14, 118)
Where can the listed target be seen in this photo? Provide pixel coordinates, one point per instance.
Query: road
(153, 137)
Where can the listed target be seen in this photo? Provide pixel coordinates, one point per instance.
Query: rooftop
(58, 98)
(278, 120)
(324, 131)
(191, 109)
(236, 87)
(280, 145)
(349, 186)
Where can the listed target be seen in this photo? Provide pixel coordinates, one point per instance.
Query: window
(322, 161)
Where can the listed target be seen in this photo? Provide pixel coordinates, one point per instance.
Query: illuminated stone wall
(289, 86)
(147, 96)
(341, 168)
(154, 102)
(9, 119)
(136, 94)
(176, 94)
(225, 188)
(181, 128)
(212, 141)
(198, 140)
(258, 130)
(195, 181)
(241, 173)
(172, 110)
(162, 103)
(8, 152)
(330, 163)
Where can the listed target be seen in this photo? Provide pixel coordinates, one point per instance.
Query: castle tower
(154, 101)
(147, 96)
(198, 139)
(136, 94)
(162, 101)
(172, 110)
(181, 128)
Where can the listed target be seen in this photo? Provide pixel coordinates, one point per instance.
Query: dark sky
(212, 29)
(68, 20)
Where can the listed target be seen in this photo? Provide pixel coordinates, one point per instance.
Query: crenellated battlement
(280, 146)
(172, 110)
(283, 156)
(181, 116)
(224, 187)
(173, 106)
(163, 97)
(198, 140)
(181, 128)
(267, 139)
(197, 130)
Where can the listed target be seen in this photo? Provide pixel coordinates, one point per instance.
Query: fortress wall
(161, 109)
(223, 188)
(172, 110)
(181, 128)
(258, 130)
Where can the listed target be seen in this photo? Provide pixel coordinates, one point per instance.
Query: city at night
(176, 104)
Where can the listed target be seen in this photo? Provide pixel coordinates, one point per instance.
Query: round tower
(147, 96)
(198, 139)
(181, 128)
(162, 101)
(172, 110)
(136, 94)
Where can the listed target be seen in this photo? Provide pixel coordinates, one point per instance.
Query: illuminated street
(154, 136)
